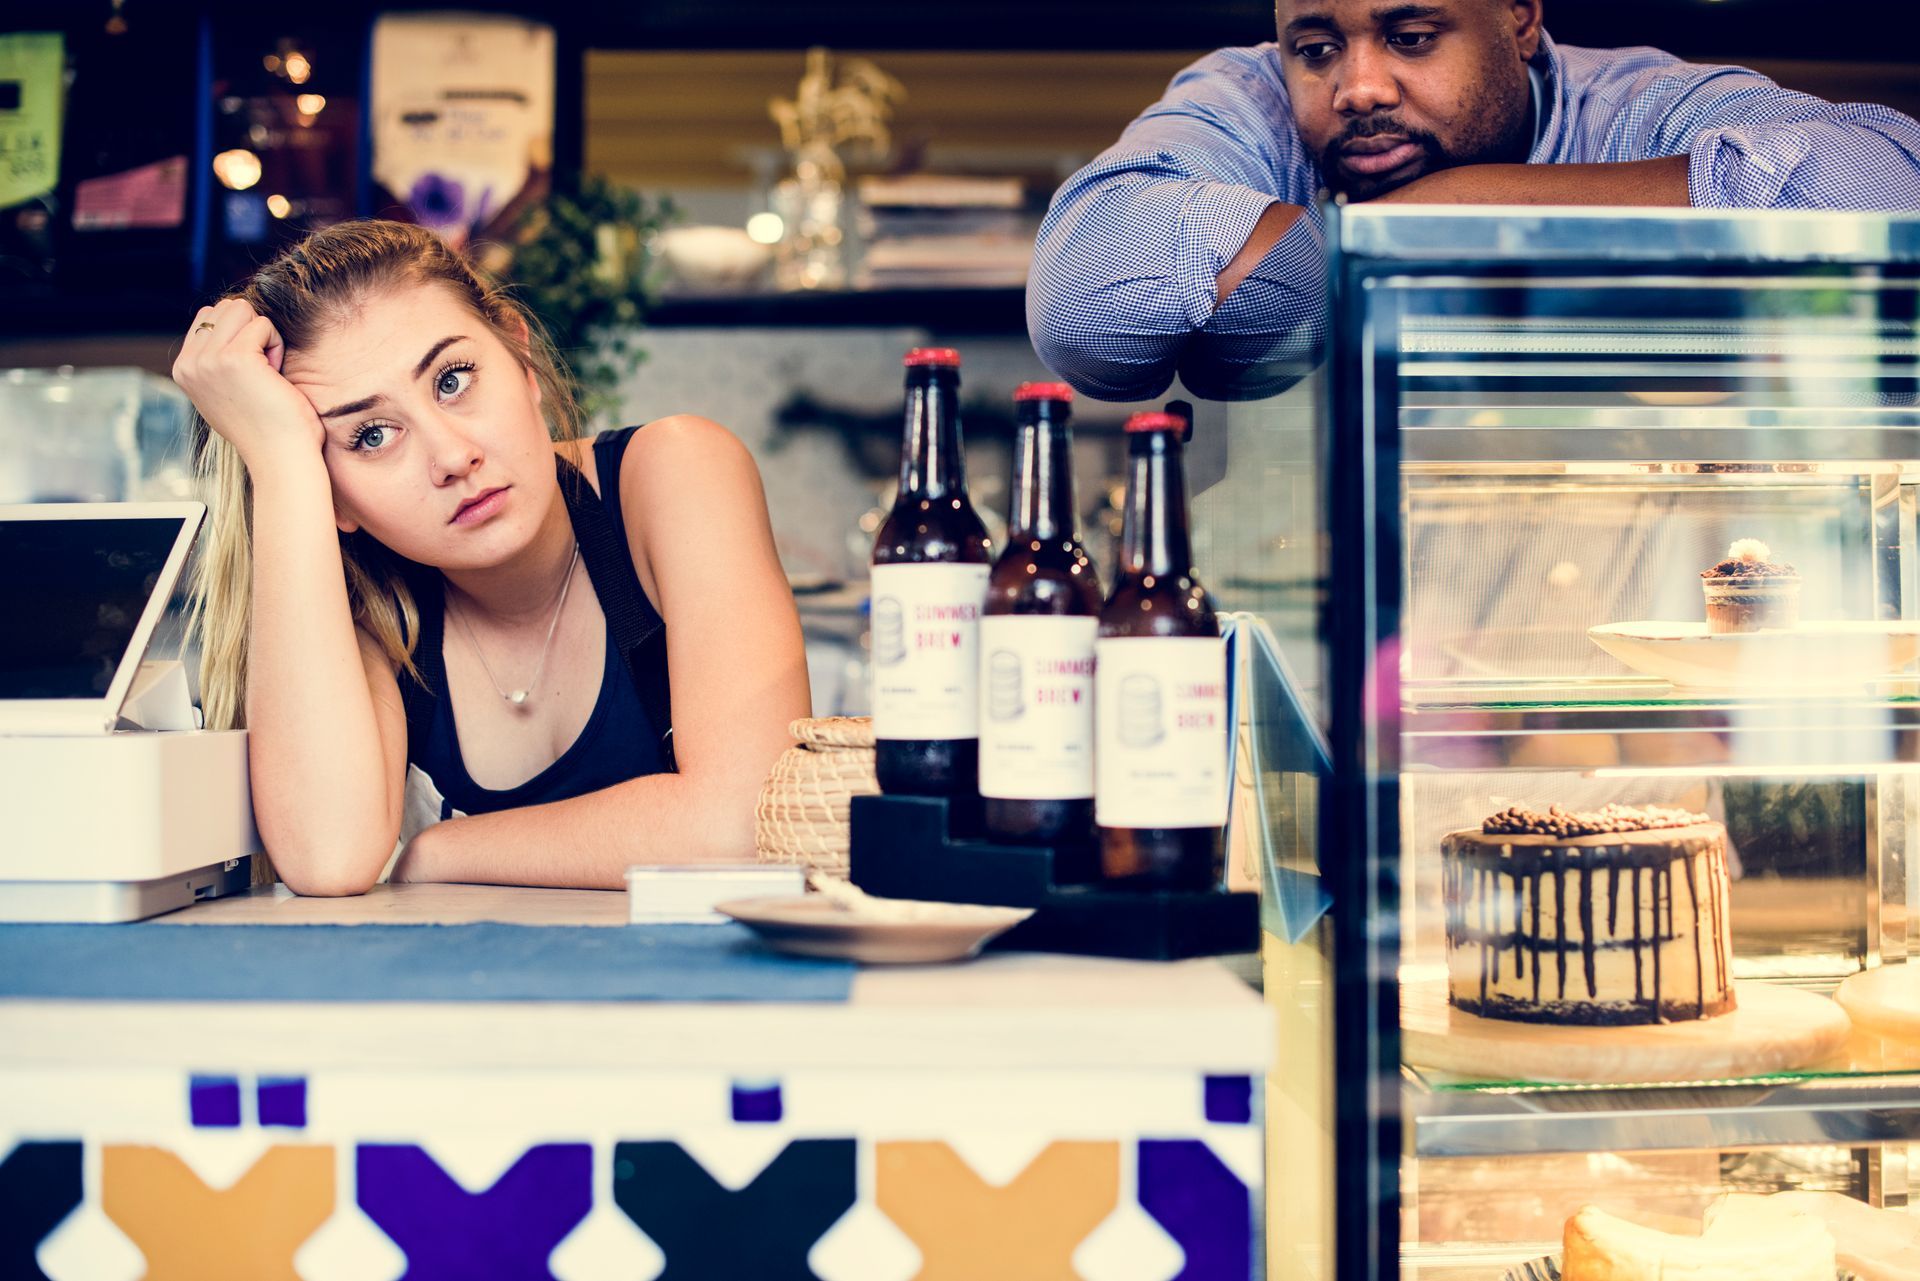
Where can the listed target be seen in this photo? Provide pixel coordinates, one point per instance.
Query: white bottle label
(1160, 707)
(1036, 713)
(926, 650)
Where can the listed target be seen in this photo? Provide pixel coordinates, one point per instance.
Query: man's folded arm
(1269, 328)
(1754, 145)
(1127, 269)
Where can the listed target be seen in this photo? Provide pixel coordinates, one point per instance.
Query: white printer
(114, 804)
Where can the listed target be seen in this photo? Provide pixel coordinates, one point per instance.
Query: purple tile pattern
(449, 1234)
(1229, 1099)
(282, 1101)
(213, 1102)
(1203, 1206)
(756, 1104)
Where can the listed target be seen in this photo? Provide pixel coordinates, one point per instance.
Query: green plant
(583, 262)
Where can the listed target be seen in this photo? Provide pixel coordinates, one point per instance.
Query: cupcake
(1749, 591)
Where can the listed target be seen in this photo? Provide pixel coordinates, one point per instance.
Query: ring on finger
(205, 324)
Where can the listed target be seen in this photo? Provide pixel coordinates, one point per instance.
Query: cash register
(114, 804)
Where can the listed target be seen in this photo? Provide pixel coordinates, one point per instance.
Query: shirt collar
(1548, 73)
(1538, 84)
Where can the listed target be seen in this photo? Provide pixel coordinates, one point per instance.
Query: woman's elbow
(330, 869)
(322, 884)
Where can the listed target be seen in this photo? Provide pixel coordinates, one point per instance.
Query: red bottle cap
(944, 357)
(1157, 422)
(1042, 391)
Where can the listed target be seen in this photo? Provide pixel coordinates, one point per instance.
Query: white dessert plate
(923, 933)
(1816, 655)
(1884, 1000)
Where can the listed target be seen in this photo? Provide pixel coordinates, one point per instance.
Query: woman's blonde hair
(311, 287)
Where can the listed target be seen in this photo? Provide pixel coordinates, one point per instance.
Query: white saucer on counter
(1812, 655)
(921, 933)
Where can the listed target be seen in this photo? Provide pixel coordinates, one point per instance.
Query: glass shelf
(1850, 1107)
(1625, 734)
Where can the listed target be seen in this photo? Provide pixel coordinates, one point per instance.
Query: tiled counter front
(1025, 1117)
(360, 1176)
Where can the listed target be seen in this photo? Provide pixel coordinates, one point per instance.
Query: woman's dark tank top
(628, 733)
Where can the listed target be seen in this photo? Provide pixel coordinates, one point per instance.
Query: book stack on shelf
(933, 231)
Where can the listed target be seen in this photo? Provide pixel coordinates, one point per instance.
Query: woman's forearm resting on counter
(589, 841)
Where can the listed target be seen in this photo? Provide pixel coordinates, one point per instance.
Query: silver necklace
(519, 697)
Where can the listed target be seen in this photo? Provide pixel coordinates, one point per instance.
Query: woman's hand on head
(229, 366)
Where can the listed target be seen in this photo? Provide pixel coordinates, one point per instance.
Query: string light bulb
(237, 169)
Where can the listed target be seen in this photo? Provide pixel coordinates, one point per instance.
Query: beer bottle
(1160, 685)
(930, 565)
(1036, 644)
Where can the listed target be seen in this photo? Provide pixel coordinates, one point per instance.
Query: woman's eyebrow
(433, 351)
(368, 402)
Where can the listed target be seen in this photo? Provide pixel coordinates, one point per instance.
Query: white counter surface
(1003, 1011)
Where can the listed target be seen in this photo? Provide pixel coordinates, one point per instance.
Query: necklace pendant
(519, 697)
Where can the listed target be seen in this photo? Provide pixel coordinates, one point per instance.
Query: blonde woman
(453, 629)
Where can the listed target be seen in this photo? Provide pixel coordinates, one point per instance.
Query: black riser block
(902, 848)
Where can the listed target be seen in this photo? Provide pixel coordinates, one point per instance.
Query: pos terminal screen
(76, 591)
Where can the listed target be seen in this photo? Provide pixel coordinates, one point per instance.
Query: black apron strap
(636, 625)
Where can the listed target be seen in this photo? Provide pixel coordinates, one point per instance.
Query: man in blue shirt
(1194, 244)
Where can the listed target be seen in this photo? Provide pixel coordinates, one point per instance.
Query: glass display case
(1618, 634)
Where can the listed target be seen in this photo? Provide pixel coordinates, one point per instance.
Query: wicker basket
(801, 816)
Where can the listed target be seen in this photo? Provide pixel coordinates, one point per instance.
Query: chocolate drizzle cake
(1609, 916)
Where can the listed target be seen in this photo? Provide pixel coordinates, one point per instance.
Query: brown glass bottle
(1036, 643)
(930, 564)
(1160, 794)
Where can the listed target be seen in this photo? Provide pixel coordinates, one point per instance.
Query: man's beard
(1434, 156)
(1504, 137)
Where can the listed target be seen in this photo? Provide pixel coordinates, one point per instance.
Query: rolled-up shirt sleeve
(1129, 255)
(1271, 331)
(1751, 144)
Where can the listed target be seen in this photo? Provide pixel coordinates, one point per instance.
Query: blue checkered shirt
(1121, 295)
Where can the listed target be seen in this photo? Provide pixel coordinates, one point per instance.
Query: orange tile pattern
(967, 1229)
(190, 1232)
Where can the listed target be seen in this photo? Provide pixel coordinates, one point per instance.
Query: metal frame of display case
(1383, 1112)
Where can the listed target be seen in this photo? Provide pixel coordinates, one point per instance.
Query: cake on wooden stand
(1596, 948)
(1611, 916)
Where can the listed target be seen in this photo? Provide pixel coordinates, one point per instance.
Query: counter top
(1004, 1011)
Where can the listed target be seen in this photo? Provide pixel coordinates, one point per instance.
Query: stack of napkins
(681, 894)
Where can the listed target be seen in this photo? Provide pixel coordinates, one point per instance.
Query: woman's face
(434, 440)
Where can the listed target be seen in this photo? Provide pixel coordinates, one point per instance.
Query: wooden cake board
(1884, 1000)
(1771, 1029)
